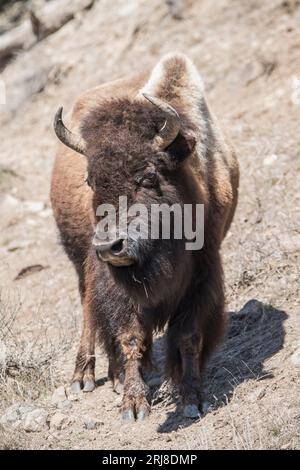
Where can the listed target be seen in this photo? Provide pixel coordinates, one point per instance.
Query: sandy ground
(248, 55)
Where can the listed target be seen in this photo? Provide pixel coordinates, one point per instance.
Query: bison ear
(181, 147)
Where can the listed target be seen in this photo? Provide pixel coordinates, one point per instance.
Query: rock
(23, 82)
(18, 38)
(55, 14)
(60, 421)
(64, 405)
(59, 395)
(92, 423)
(257, 394)
(15, 415)
(119, 401)
(25, 416)
(36, 420)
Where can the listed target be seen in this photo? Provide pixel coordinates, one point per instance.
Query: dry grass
(12, 440)
(28, 364)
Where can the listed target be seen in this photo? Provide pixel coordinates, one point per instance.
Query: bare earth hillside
(248, 55)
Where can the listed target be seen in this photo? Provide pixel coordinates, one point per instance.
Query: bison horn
(171, 127)
(67, 137)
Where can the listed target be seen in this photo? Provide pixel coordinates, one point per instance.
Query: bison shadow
(254, 334)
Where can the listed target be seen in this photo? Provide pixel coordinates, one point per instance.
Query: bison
(152, 138)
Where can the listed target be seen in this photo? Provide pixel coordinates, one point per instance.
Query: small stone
(257, 394)
(36, 420)
(64, 405)
(118, 401)
(59, 395)
(15, 415)
(60, 421)
(92, 423)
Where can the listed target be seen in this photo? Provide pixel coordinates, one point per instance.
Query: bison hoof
(76, 387)
(191, 411)
(142, 414)
(136, 408)
(89, 385)
(127, 416)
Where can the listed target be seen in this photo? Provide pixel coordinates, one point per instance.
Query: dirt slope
(248, 55)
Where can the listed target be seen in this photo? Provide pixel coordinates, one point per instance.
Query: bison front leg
(190, 385)
(183, 359)
(135, 402)
(84, 374)
(195, 331)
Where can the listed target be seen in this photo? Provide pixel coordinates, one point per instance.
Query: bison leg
(183, 359)
(84, 374)
(135, 403)
(191, 341)
(190, 385)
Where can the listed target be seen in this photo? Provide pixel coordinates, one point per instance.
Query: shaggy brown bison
(151, 138)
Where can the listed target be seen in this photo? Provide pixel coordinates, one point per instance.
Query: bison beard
(123, 136)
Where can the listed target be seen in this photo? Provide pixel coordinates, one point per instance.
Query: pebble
(92, 423)
(25, 416)
(59, 395)
(36, 420)
(60, 421)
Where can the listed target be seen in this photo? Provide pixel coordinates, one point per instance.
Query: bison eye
(149, 180)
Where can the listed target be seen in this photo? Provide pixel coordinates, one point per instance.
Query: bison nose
(109, 248)
(114, 252)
